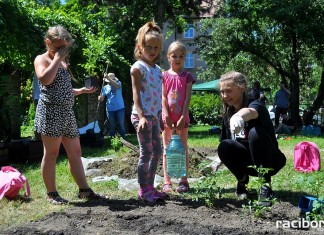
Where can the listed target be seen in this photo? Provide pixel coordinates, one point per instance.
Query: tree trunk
(294, 101)
(160, 12)
(294, 83)
(13, 104)
(318, 102)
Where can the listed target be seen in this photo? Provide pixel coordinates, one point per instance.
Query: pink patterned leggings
(149, 140)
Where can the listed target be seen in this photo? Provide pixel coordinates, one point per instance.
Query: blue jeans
(117, 117)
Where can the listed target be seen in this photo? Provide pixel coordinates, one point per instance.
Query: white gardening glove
(236, 124)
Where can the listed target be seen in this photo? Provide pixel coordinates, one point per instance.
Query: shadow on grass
(281, 195)
(291, 197)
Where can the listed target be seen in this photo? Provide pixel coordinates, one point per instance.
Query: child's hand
(141, 124)
(84, 90)
(89, 90)
(169, 121)
(181, 123)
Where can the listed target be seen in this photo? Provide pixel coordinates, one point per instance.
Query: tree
(19, 43)
(284, 37)
(104, 32)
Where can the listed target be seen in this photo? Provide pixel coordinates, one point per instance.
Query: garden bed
(178, 215)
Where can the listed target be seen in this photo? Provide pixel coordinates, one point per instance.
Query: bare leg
(73, 150)
(166, 134)
(183, 134)
(48, 166)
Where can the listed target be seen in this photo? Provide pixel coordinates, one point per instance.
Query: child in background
(286, 126)
(147, 91)
(176, 93)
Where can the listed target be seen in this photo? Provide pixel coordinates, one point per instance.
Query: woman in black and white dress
(55, 119)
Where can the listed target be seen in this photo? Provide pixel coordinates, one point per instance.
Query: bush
(27, 127)
(206, 108)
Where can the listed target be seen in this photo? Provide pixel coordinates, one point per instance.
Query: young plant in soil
(207, 188)
(116, 143)
(317, 212)
(256, 185)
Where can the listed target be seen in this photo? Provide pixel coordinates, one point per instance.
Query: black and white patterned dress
(54, 114)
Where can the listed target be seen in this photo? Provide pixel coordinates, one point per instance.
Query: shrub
(206, 108)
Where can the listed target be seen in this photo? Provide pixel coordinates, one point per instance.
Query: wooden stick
(129, 145)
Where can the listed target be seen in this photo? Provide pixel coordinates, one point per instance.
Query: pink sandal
(183, 186)
(162, 195)
(166, 187)
(150, 196)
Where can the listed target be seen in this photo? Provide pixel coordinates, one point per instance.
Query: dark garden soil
(126, 167)
(176, 216)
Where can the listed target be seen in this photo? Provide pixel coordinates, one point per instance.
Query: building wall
(198, 63)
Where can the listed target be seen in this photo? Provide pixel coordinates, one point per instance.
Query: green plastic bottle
(176, 158)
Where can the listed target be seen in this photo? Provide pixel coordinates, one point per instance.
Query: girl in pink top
(176, 93)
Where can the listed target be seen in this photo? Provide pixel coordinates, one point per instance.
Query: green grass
(199, 136)
(288, 184)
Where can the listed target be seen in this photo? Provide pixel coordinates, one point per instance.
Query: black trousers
(279, 111)
(259, 150)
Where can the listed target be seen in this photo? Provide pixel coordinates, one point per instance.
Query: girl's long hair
(150, 29)
(240, 80)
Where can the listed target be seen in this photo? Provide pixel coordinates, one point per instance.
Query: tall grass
(288, 184)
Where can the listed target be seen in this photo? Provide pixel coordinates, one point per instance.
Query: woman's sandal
(89, 194)
(55, 198)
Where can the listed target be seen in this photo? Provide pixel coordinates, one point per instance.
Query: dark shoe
(89, 194)
(241, 191)
(55, 198)
(266, 195)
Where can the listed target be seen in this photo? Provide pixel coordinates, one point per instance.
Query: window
(189, 63)
(190, 32)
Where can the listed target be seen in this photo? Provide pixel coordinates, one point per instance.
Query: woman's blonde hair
(240, 80)
(176, 45)
(150, 29)
(58, 32)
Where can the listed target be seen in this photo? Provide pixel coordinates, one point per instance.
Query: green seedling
(207, 188)
(317, 212)
(256, 184)
(116, 143)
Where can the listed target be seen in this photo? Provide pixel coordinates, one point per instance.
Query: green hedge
(206, 108)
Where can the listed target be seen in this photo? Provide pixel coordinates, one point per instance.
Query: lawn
(288, 183)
